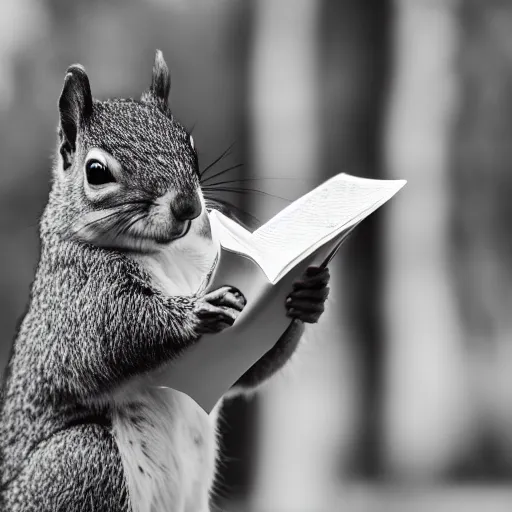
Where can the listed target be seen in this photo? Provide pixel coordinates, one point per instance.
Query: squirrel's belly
(168, 447)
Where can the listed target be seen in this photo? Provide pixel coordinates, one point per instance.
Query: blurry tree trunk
(481, 190)
(354, 76)
(426, 399)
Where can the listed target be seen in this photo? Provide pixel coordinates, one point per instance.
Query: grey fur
(94, 320)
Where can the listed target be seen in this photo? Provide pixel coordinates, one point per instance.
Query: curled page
(319, 216)
(263, 265)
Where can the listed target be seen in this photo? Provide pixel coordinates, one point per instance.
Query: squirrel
(125, 245)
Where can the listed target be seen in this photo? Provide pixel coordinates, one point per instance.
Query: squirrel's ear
(75, 106)
(160, 82)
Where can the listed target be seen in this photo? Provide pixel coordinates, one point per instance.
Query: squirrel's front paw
(219, 309)
(307, 299)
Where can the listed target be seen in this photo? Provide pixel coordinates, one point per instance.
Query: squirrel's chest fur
(167, 443)
(168, 448)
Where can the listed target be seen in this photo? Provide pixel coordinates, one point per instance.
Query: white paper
(317, 217)
(263, 265)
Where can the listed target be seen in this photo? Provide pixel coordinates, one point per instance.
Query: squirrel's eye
(98, 173)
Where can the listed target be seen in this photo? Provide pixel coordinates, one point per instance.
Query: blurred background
(401, 400)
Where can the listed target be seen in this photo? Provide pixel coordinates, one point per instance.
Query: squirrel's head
(127, 171)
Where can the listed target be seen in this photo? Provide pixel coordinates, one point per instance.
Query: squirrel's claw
(219, 309)
(306, 301)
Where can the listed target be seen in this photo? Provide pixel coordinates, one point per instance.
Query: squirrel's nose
(186, 207)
